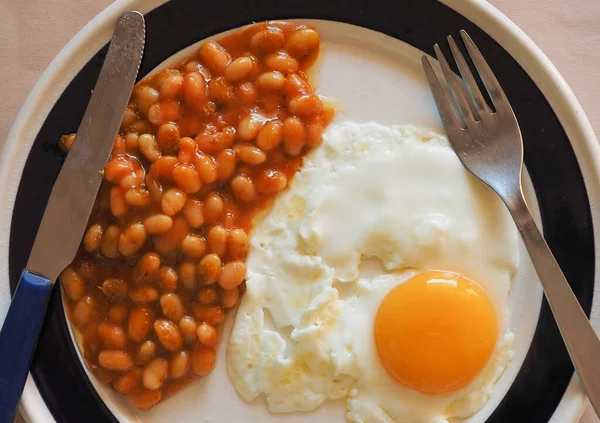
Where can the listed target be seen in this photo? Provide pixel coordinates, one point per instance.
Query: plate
(371, 65)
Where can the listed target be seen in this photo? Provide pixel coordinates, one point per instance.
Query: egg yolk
(436, 332)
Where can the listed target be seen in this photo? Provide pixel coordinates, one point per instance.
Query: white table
(33, 32)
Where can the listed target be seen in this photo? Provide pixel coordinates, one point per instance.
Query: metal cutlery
(489, 144)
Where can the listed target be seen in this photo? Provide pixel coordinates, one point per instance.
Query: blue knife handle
(18, 339)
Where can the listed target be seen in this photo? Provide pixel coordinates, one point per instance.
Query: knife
(69, 207)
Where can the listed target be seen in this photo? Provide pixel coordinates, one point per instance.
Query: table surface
(34, 32)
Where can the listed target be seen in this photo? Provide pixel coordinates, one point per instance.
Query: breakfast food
(380, 276)
(203, 146)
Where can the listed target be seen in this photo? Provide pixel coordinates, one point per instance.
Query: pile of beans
(203, 146)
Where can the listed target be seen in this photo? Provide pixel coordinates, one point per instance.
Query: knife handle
(18, 339)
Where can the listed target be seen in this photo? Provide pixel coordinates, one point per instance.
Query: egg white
(368, 209)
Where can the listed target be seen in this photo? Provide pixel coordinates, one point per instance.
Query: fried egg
(379, 277)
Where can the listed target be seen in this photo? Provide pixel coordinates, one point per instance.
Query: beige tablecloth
(32, 32)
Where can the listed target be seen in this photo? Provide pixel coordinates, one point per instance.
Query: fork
(489, 144)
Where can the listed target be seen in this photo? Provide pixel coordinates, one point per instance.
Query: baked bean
(128, 381)
(220, 91)
(154, 188)
(118, 203)
(195, 90)
(167, 136)
(117, 313)
(239, 69)
(203, 359)
(295, 86)
(207, 334)
(207, 295)
(246, 93)
(114, 288)
(110, 242)
(249, 126)
(215, 57)
(217, 142)
(180, 364)
(158, 224)
(131, 142)
(140, 126)
(155, 374)
(243, 188)
(117, 168)
(144, 97)
(133, 179)
(213, 207)
(66, 141)
(206, 168)
(186, 178)
(281, 62)
(173, 201)
(129, 117)
(217, 240)
(163, 167)
(147, 268)
(209, 313)
(302, 42)
(193, 246)
(270, 81)
(164, 111)
(72, 283)
(172, 307)
(112, 336)
(149, 147)
(249, 154)
(187, 326)
(140, 322)
(138, 197)
(238, 244)
(305, 105)
(144, 399)
(171, 87)
(83, 311)
(232, 274)
(314, 133)
(270, 181)
(268, 40)
(168, 334)
(187, 150)
(229, 297)
(116, 360)
(169, 242)
(270, 135)
(143, 295)
(93, 237)
(293, 136)
(132, 239)
(103, 375)
(226, 162)
(187, 274)
(168, 278)
(146, 352)
(209, 269)
(86, 268)
(193, 212)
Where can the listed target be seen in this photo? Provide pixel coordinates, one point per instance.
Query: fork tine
(442, 101)
(465, 72)
(464, 107)
(487, 76)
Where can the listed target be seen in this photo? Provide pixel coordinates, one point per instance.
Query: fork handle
(582, 342)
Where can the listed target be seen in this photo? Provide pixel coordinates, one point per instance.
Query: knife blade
(69, 208)
(75, 190)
